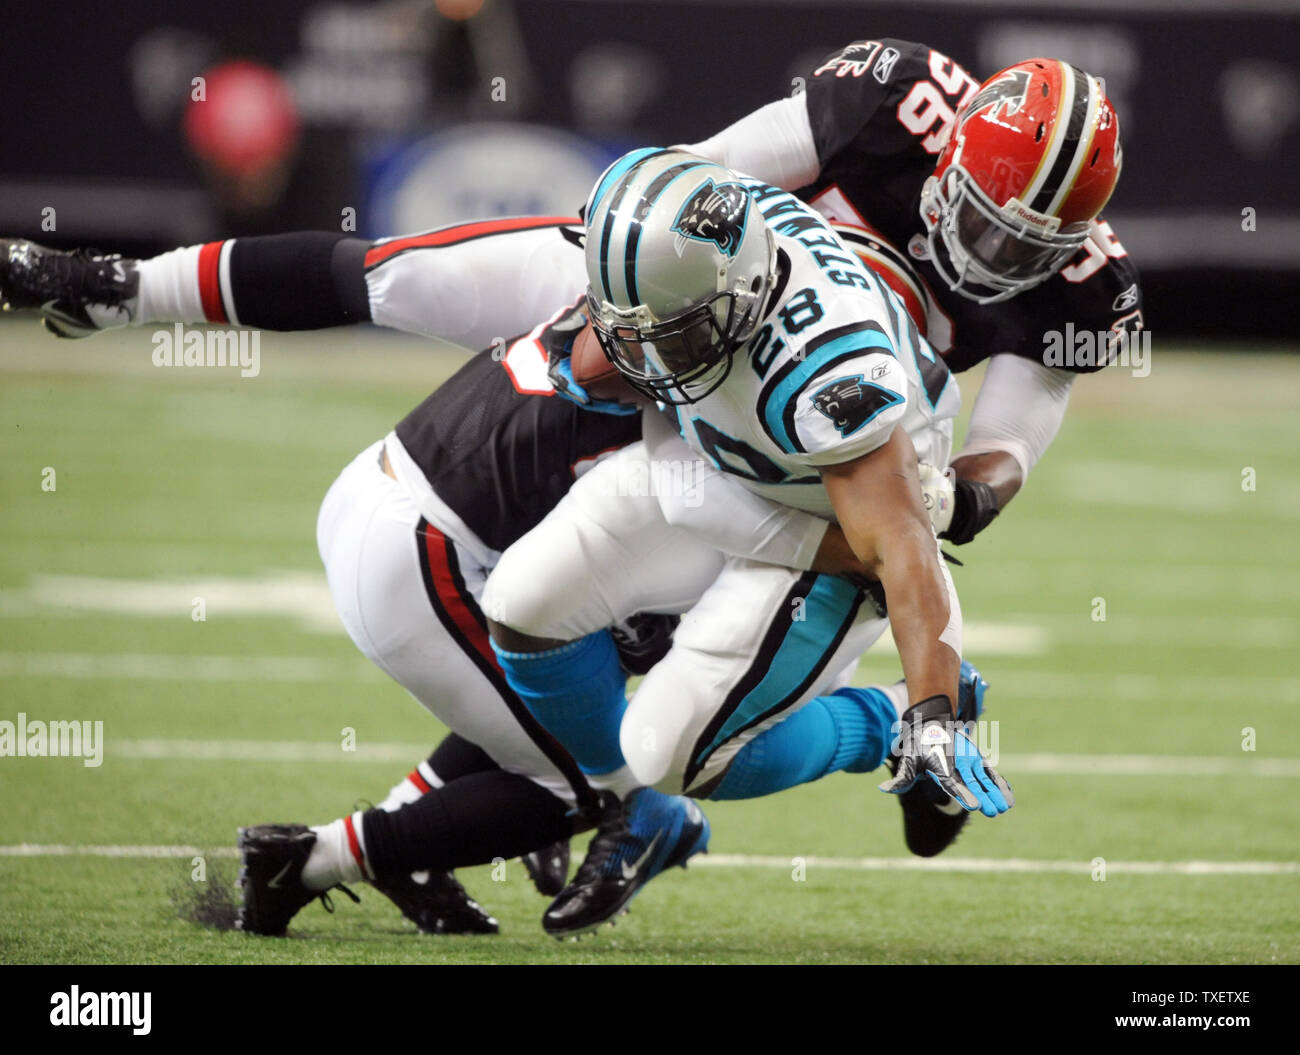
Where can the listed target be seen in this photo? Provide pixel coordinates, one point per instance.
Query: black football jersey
(502, 458)
(878, 110)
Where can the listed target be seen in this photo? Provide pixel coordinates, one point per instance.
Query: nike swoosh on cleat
(50, 310)
(274, 883)
(630, 872)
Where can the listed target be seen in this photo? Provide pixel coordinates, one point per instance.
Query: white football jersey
(836, 364)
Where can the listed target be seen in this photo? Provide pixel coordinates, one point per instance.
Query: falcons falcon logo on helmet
(1003, 96)
(715, 212)
(850, 402)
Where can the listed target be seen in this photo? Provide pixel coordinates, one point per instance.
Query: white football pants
(756, 642)
(407, 593)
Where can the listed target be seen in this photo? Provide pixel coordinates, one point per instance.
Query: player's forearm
(774, 143)
(1019, 409)
(998, 469)
(1018, 412)
(836, 557)
(877, 500)
(924, 614)
(305, 280)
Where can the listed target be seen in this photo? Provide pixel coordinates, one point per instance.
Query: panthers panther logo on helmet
(850, 402)
(715, 212)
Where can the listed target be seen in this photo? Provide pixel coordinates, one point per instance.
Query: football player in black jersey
(994, 192)
(892, 137)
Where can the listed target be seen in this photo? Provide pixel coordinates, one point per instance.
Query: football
(594, 372)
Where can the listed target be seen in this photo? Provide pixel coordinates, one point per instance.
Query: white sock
(419, 781)
(169, 288)
(332, 860)
(622, 782)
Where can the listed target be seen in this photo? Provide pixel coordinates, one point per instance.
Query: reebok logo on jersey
(715, 213)
(1126, 299)
(850, 402)
(885, 64)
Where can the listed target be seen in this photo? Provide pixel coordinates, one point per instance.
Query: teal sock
(850, 729)
(577, 692)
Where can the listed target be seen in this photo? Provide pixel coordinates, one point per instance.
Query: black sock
(468, 822)
(456, 757)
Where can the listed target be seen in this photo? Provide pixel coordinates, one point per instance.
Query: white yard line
(133, 852)
(1100, 684)
(1000, 865)
(154, 667)
(991, 865)
(298, 595)
(1148, 765)
(1105, 687)
(263, 751)
(1036, 763)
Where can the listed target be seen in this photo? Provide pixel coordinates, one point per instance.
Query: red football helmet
(1031, 159)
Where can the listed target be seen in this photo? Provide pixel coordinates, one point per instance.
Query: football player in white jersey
(857, 117)
(789, 366)
(407, 535)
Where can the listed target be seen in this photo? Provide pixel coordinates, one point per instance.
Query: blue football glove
(560, 370)
(932, 746)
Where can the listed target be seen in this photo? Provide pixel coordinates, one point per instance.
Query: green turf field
(1123, 736)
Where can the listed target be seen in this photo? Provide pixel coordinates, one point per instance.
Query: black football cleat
(272, 857)
(437, 904)
(77, 293)
(635, 841)
(548, 867)
(932, 819)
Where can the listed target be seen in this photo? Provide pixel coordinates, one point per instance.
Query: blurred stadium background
(1170, 497)
(418, 112)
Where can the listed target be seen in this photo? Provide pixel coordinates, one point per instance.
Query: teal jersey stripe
(830, 605)
(773, 408)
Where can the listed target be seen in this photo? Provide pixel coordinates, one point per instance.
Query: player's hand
(931, 745)
(559, 369)
(938, 495)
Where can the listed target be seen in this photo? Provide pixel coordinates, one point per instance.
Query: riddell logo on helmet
(1016, 210)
